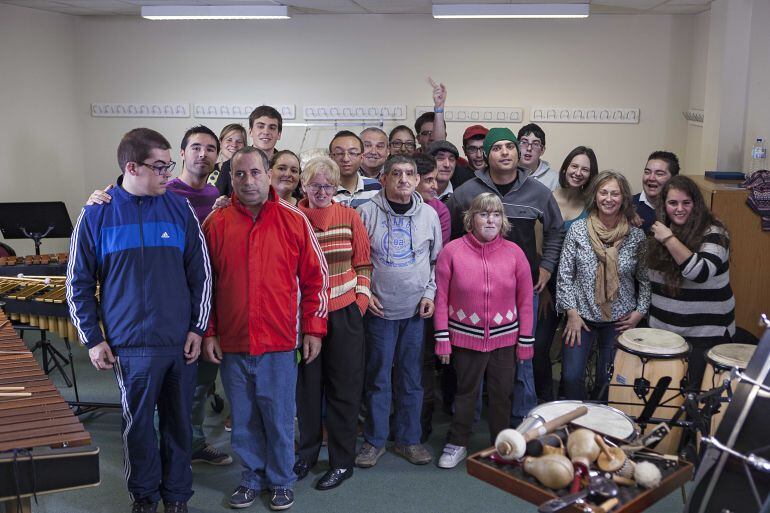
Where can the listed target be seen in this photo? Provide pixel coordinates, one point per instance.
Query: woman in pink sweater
(483, 318)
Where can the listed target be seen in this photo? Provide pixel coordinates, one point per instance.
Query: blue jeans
(392, 343)
(207, 375)
(575, 358)
(524, 397)
(261, 391)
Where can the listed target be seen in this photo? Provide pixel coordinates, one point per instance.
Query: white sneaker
(452, 455)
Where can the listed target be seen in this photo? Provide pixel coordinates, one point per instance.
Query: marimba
(38, 301)
(54, 264)
(43, 446)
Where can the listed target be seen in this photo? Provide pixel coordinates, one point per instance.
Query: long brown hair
(691, 234)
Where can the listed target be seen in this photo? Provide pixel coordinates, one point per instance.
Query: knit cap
(498, 134)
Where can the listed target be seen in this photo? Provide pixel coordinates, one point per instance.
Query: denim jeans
(392, 343)
(524, 397)
(207, 375)
(261, 391)
(575, 359)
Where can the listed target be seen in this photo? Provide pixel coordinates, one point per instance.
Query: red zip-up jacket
(270, 277)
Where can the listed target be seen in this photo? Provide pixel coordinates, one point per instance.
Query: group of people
(331, 289)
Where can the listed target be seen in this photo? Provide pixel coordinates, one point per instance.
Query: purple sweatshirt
(202, 200)
(444, 218)
(483, 297)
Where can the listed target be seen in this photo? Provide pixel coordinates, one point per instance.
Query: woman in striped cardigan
(338, 373)
(689, 262)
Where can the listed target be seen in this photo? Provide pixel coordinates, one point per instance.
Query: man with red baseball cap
(473, 146)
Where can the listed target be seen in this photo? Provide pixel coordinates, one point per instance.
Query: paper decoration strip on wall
(477, 114)
(344, 112)
(140, 110)
(584, 115)
(237, 110)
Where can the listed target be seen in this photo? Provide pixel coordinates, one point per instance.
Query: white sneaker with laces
(452, 455)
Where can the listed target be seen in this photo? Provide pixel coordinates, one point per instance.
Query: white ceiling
(132, 7)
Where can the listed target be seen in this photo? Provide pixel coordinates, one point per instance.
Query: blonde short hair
(321, 165)
(486, 202)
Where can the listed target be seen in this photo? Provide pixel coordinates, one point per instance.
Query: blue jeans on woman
(575, 359)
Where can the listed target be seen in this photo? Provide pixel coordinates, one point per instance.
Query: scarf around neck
(605, 243)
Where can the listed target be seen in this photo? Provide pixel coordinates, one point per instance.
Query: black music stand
(35, 220)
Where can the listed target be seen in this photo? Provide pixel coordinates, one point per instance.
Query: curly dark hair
(691, 234)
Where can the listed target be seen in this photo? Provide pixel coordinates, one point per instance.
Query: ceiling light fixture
(215, 12)
(477, 11)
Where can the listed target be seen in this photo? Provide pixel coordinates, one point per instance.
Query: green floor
(393, 485)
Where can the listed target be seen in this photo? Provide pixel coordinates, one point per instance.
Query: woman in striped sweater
(338, 373)
(483, 318)
(689, 261)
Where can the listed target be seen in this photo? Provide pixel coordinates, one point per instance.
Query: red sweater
(483, 297)
(345, 245)
(267, 270)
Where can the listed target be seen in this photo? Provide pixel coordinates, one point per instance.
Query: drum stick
(607, 506)
(11, 389)
(555, 423)
(4, 323)
(15, 394)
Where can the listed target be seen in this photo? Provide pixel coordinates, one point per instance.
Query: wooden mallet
(512, 445)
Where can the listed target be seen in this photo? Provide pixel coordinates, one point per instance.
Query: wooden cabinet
(749, 250)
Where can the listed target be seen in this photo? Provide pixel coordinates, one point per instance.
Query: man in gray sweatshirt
(405, 237)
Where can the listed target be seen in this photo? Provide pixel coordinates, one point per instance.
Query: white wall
(692, 162)
(758, 97)
(623, 61)
(41, 156)
(635, 61)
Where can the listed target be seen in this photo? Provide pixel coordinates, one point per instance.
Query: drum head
(727, 356)
(600, 418)
(653, 342)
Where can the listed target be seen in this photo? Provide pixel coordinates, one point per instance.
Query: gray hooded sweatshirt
(404, 252)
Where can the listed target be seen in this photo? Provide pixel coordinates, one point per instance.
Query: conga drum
(644, 356)
(720, 361)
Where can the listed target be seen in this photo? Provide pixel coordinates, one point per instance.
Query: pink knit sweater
(483, 297)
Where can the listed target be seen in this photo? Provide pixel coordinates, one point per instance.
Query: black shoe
(282, 498)
(243, 497)
(301, 469)
(333, 478)
(144, 506)
(175, 507)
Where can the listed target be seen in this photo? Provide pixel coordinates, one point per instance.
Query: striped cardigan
(704, 307)
(345, 244)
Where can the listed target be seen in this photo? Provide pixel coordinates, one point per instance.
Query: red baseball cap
(473, 131)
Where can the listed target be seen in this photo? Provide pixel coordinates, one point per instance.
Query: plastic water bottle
(759, 155)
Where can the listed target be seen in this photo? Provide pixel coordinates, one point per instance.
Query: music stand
(35, 220)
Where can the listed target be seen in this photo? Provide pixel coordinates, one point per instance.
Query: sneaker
(229, 423)
(144, 506)
(282, 498)
(368, 455)
(211, 455)
(452, 455)
(243, 497)
(416, 454)
(175, 507)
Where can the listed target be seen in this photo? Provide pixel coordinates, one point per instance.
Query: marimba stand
(51, 358)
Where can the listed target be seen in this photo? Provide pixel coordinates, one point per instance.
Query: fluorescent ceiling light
(215, 12)
(510, 11)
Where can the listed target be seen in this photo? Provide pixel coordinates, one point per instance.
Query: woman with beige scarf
(602, 283)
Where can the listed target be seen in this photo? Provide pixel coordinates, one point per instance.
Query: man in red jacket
(271, 278)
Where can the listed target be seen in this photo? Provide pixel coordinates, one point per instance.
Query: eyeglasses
(159, 169)
(397, 145)
(535, 145)
(341, 154)
(426, 133)
(470, 150)
(328, 189)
